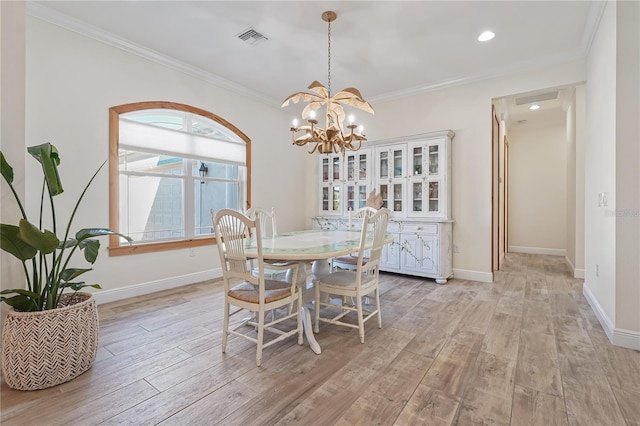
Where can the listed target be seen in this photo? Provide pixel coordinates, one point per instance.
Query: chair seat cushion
(274, 290)
(344, 279)
(349, 260)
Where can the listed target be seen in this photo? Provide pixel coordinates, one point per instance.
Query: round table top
(309, 245)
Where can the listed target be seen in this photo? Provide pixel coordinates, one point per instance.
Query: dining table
(309, 246)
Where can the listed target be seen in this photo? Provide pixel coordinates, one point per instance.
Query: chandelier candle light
(332, 138)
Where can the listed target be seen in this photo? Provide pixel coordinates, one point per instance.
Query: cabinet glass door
(325, 199)
(325, 169)
(416, 197)
(398, 163)
(383, 189)
(434, 197)
(351, 168)
(362, 196)
(335, 198)
(383, 165)
(351, 197)
(416, 156)
(397, 198)
(434, 159)
(336, 168)
(362, 166)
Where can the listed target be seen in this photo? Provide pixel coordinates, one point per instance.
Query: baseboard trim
(538, 250)
(602, 316)
(112, 295)
(626, 338)
(464, 274)
(577, 273)
(617, 336)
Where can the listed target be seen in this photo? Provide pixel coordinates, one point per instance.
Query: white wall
(12, 105)
(612, 163)
(600, 149)
(538, 189)
(466, 110)
(73, 80)
(627, 174)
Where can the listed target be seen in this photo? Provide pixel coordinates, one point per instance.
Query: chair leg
(360, 319)
(225, 326)
(316, 327)
(260, 336)
(378, 307)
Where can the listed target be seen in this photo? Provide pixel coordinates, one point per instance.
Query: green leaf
(44, 241)
(71, 273)
(21, 303)
(79, 286)
(11, 242)
(91, 249)
(85, 233)
(21, 291)
(6, 169)
(24, 301)
(71, 242)
(48, 157)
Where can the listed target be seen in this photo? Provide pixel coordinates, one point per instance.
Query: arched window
(169, 165)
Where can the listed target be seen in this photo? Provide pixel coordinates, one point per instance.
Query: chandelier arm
(314, 148)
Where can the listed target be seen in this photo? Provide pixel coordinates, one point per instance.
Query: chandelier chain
(329, 60)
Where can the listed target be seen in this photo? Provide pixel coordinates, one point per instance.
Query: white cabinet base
(425, 249)
(420, 248)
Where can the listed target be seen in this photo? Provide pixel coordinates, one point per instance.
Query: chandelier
(332, 138)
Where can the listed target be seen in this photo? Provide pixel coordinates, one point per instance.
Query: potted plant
(50, 336)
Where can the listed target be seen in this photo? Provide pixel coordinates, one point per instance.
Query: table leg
(308, 331)
(306, 316)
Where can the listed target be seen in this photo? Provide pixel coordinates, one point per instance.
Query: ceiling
(387, 49)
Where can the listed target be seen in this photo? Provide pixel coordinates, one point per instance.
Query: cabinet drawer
(421, 228)
(393, 227)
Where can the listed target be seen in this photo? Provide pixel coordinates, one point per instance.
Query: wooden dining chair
(349, 261)
(248, 292)
(267, 219)
(359, 283)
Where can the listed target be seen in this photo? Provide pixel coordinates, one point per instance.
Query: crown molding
(54, 17)
(481, 76)
(591, 26)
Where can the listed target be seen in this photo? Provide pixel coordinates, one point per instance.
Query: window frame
(117, 249)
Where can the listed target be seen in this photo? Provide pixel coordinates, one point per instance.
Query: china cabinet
(413, 176)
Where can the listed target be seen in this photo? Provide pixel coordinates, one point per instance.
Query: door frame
(505, 217)
(495, 190)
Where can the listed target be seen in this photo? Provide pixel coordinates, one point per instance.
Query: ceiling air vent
(537, 98)
(252, 37)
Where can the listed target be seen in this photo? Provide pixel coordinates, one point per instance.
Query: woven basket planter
(47, 348)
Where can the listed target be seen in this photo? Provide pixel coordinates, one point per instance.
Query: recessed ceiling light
(534, 107)
(486, 36)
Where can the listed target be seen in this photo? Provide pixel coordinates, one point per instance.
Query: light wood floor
(526, 349)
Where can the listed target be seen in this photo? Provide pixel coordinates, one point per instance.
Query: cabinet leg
(441, 280)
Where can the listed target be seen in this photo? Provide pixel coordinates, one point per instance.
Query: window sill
(162, 246)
